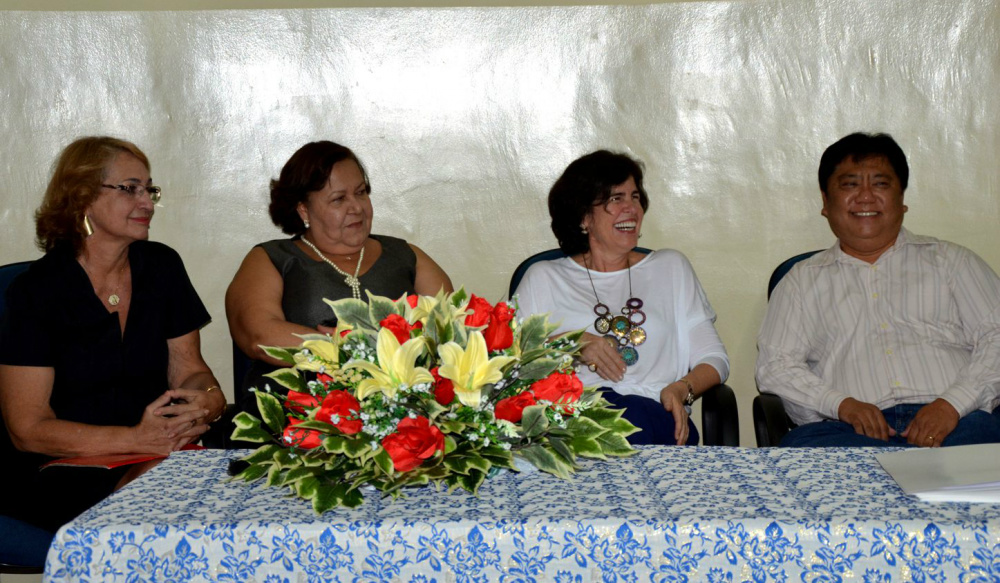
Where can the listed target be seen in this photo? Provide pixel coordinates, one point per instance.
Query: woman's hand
(597, 351)
(165, 428)
(672, 397)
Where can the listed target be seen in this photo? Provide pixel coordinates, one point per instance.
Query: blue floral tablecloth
(669, 514)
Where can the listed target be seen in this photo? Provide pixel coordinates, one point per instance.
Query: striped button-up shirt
(920, 323)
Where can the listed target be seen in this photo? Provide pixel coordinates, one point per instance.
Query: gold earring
(88, 229)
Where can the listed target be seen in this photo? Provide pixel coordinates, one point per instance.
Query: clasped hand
(930, 426)
(598, 352)
(176, 418)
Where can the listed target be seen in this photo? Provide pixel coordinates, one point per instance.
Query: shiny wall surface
(465, 117)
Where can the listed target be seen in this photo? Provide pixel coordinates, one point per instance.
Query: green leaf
(335, 444)
(252, 473)
(306, 489)
(545, 460)
(614, 444)
(282, 354)
(379, 308)
(457, 463)
(534, 422)
(535, 330)
(559, 447)
(602, 415)
(622, 427)
(537, 369)
(584, 427)
(327, 497)
(271, 411)
(299, 473)
(353, 312)
(470, 482)
(459, 297)
(352, 498)
(354, 447)
(253, 434)
(384, 462)
(262, 454)
(288, 378)
(587, 447)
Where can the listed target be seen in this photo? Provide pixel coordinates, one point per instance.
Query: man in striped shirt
(886, 338)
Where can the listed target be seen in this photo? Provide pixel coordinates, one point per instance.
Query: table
(666, 514)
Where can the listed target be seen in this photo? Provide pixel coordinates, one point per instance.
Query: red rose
(324, 379)
(399, 326)
(481, 312)
(412, 300)
(414, 441)
(304, 438)
(558, 388)
(299, 402)
(512, 408)
(498, 334)
(346, 407)
(444, 389)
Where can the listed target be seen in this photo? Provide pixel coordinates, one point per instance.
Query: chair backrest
(784, 267)
(241, 366)
(549, 255)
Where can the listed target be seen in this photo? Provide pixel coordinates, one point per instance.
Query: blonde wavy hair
(76, 181)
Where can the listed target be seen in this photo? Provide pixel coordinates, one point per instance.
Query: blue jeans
(23, 544)
(655, 422)
(976, 427)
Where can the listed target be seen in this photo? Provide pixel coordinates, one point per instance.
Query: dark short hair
(308, 170)
(585, 183)
(860, 146)
(75, 184)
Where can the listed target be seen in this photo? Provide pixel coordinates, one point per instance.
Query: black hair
(860, 146)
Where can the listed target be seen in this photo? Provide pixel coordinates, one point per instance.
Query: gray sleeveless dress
(308, 282)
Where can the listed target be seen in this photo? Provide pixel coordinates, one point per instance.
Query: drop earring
(583, 229)
(306, 223)
(88, 229)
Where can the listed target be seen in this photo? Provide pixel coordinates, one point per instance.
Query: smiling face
(863, 202)
(614, 226)
(340, 214)
(116, 214)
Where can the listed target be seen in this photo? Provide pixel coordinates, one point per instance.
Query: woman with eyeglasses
(322, 198)
(99, 342)
(649, 338)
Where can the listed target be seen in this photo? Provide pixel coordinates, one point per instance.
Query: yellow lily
(324, 354)
(471, 368)
(395, 367)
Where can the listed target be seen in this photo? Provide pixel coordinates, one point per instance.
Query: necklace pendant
(620, 326)
(637, 335)
(629, 354)
(113, 299)
(602, 325)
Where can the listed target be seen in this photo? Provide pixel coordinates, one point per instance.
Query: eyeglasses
(135, 190)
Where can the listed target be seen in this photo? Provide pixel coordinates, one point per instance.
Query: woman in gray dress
(322, 199)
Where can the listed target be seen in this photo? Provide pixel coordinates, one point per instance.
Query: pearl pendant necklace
(351, 280)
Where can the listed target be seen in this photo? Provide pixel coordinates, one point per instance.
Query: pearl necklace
(350, 280)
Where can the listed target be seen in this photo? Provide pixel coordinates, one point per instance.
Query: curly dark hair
(308, 170)
(586, 183)
(75, 184)
(860, 146)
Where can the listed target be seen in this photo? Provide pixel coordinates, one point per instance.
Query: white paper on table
(964, 473)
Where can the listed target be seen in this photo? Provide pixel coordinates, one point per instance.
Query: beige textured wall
(465, 116)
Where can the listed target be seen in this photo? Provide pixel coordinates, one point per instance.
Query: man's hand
(932, 423)
(866, 418)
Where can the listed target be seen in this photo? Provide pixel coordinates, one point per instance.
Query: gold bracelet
(216, 388)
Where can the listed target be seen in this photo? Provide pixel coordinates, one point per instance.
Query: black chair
(770, 421)
(218, 435)
(14, 542)
(720, 419)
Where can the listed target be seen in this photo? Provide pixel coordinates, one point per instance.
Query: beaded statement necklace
(350, 280)
(623, 331)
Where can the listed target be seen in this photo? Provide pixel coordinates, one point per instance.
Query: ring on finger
(592, 366)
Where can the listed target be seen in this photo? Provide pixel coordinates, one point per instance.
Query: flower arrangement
(421, 390)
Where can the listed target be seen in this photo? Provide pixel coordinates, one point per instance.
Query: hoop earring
(88, 229)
